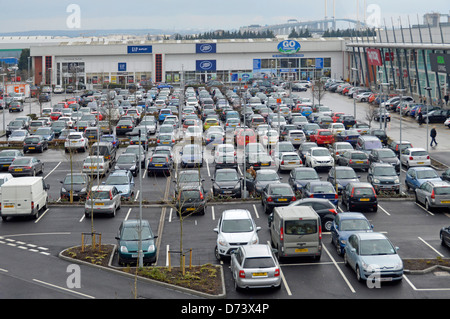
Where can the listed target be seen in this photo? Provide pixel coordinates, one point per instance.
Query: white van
(24, 196)
(296, 231)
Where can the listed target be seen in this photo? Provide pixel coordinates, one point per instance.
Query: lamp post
(354, 100)
(4, 102)
(428, 89)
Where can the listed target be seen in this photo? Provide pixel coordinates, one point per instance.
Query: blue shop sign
(289, 47)
(205, 48)
(139, 49)
(205, 65)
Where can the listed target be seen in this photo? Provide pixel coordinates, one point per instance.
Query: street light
(428, 120)
(401, 91)
(354, 100)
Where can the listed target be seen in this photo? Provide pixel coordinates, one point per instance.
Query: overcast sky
(26, 15)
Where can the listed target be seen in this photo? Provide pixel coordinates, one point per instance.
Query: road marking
(384, 210)
(37, 220)
(52, 170)
(128, 213)
(339, 269)
(62, 288)
(137, 195)
(207, 167)
(431, 247)
(213, 213)
(283, 279)
(167, 255)
(170, 215)
(424, 209)
(256, 211)
(4, 270)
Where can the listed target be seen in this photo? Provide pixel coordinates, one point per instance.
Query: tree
(23, 60)
(293, 34)
(318, 90)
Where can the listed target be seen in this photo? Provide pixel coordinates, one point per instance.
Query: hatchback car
(191, 200)
(319, 157)
(384, 155)
(323, 207)
(226, 182)
(341, 176)
(276, 195)
(373, 257)
(359, 196)
(123, 181)
(77, 184)
(103, 199)
(127, 162)
(235, 227)
(344, 225)
(93, 165)
(8, 156)
(159, 164)
(354, 159)
(131, 232)
(321, 190)
(433, 195)
(76, 141)
(416, 176)
(26, 166)
(415, 157)
(254, 266)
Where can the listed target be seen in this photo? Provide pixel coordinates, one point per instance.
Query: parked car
(131, 233)
(383, 177)
(254, 266)
(300, 176)
(351, 136)
(235, 227)
(321, 190)
(444, 235)
(191, 200)
(415, 157)
(385, 155)
(102, 199)
(319, 157)
(226, 182)
(77, 184)
(26, 166)
(8, 156)
(322, 137)
(17, 137)
(276, 195)
(93, 165)
(158, 163)
(340, 176)
(416, 176)
(35, 143)
(398, 146)
(359, 196)
(433, 195)
(262, 179)
(323, 207)
(123, 181)
(344, 225)
(373, 255)
(76, 141)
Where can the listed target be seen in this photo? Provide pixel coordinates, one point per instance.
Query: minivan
(296, 231)
(367, 143)
(107, 150)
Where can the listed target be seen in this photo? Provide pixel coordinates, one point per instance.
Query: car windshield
(419, 153)
(427, 174)
(386, 153)
(324, 152)
(8, 153)
(189, 195)
(74, 179)
(323, 189)
(306, 175)
(226, 177)
(32, 140)
(361, 156)
(376, 247)
(18, 133)
(117, 180)
(281, 191)
(93, 160)
(183, 178)
(363, 191)
(101, 195)
(384, 171)
(345, 174)
(442, 190)
(258, 262)
(354, 224)
(237, 226)
(267, 177)
(370, 145)
(132, 233)
(300, 227)
(126, 160)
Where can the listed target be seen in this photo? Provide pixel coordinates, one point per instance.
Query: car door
(352, 251)
(421, 193)
(404, 155)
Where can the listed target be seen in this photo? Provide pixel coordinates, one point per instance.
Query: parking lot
(411, 227)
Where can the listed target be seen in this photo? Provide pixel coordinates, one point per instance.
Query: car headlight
(343, 242)
(376, 180)
(63, 190)
(254, 239)
(123, 249)
(238, 185)
(397, 181)
(222, 241)
(151, 248)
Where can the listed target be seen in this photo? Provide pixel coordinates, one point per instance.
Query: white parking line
(62, 288)
(207, 168)
(213, 213)
(137, 196)
(52, 170)
(128, 213)
(430, 247)
(283, 279)
(37, 220)
(383, 210)
(256, 211)
(170, 215)
(339, 269)
(424, 209)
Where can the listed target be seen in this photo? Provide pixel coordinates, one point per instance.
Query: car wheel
(358, 274)
(338, 247)
(327, 224)
(345, 259)
(216, 253)
(427, 206)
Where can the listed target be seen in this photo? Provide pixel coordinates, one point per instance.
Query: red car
(54, 116)
(245, 136)
(322, 137)
(335, 116)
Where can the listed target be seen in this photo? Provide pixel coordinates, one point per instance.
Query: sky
(28, 15)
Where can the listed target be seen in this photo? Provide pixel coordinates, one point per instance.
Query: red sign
(374, 57)
(389, 56)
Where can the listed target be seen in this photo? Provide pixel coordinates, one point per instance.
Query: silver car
(94, 165)
(434, 194)
(104, 199)
(254, 266)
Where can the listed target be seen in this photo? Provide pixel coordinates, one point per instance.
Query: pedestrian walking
(433, 134)
(446, 99)
(420, 118)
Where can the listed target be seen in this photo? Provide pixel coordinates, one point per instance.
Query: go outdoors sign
(289, 47)
(440, 62)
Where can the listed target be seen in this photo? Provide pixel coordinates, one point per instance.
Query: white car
(269, 137)
(17, 137)
(296, 137)
(19, 97)
(447, 122)
(363, 97)
(337, 128)
(193, 131)
(319, 157)
(76, 141)
(415, 156)
(68, 120)
(235, 227)
(288, 161)
(58, 89)
(224, 150)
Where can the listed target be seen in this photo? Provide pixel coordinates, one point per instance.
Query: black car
(383, 177)
(188, 178)
(129, 162)
(359, 196)
(8, 156)
(354, 159)
(381, 134)
(445, 176)
(323, 207)
(398, 146)
(385, 155)
(14, 126)
(124, 126)
(301, 176)
(304, 148)
(444, 235)
(344, 175)
(226, 182)
(15, 106)
(436, 116)
(77, 183)
(35, 143)
(276, 195)
(191, 200)
(348, 121)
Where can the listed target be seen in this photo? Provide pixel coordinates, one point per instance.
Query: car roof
(236, 214)
(372, 235)
(134, 222)
(351, 215)
(256, 250)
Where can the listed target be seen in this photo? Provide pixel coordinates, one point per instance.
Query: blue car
(416, 176)
(128, 242)
(321, 190)
(110, 138)
(344, 225)
(373, 257)
(301, 176)
(159, 163)
(192, 156)
(123, 180)
(163, 113)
